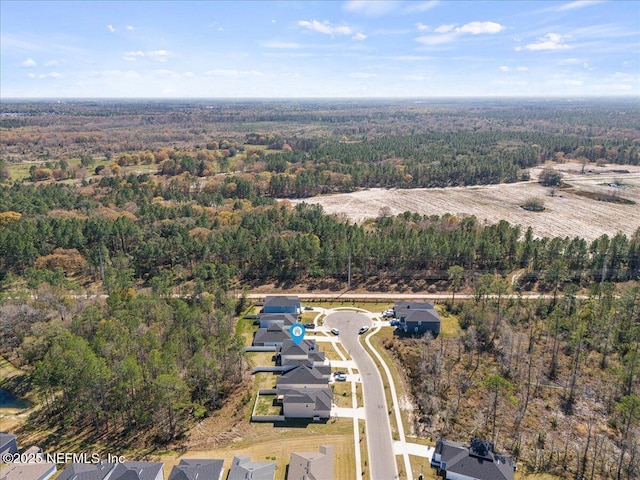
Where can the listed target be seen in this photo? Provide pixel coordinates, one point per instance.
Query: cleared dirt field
(566, 213)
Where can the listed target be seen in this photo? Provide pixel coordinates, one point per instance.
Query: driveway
(382, 461)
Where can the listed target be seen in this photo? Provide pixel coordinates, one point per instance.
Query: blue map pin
(297, 332)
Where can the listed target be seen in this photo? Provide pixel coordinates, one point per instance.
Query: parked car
(388, 313)
(394, 323)
(309, 326)
(308, 308)
(363, 330)
(335, 331)
(339, 372)
(340, 378)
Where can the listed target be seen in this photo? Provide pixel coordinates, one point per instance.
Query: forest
(173, 210)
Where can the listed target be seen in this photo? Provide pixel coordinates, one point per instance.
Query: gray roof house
(300, 403)
(27, 471)
(242, 468)
(8, 443)
(476, 461)
(193, 469)
(302, 378)
(282, 304)
(285, 319)
(87, 471)
(306, 350)
(312, 465)
(138, 471)
(272, 336)
(417, 317)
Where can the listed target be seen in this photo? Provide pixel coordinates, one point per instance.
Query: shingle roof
(242, 468)
(282, 300)
(86, 471)
(286, 318)
(421, 316)
(7, 440)
(194, 469)
(272, 334)
(302, 375)
(312, 465)
(136, 471)
(483, 464)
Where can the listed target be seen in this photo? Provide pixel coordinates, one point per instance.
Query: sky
(307, 49)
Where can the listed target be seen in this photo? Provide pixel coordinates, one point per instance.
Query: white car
(340, 377)
(364, 329)
(335, 331)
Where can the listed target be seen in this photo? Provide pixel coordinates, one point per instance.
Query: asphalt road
(382, 461)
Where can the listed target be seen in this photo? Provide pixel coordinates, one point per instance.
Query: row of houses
(302, 389)
(302, 466)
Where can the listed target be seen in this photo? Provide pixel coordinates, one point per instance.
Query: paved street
(382, 462)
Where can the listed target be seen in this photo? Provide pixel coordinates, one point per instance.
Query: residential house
(306, 403)
(138, 471)
(272, 336)
(242, 468)
(8, 443)
(305, 353)
(417, 317)
(282, 304)
(192, 469)
(302, 378)
(284, 319)
(87, 471)
(312, 465)
(476, 461)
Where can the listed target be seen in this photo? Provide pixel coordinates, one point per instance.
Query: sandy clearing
(566, 214)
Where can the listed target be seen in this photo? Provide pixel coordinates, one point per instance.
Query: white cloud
(522, 69)
(325, 27)
(29, 62)
(31, 75)
(445, 28)
(414, 77)
(130, 28)
(50, 75)
(551, 41)
(359, 36)
(477, 28)
(54, 63)
(504, 68)
(111, 29)
(163, 74)
(448, 33)
(422, 27)
(188, 75)
(130, 74)
(573, 83)
(577, 4)
(362, 75)
(157, 55)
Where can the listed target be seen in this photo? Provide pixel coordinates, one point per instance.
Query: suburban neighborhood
(303, 389)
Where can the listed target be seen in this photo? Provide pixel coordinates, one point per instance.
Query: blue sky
(319, 49)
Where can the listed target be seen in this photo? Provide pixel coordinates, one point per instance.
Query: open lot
(566, 213)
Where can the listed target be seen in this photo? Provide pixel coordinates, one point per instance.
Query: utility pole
(349, 273)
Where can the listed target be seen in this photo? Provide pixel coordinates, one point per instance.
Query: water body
(8, 400)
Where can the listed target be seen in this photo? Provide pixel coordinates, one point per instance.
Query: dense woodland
(170, 209)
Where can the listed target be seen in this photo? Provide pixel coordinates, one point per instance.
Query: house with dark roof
(302, 378)
(242, 468)
(282, 304)
(272, 336)
(312, 465)
(284, 319)
(305, 353)
(194, 469)
(87, 471)
(417, 317)
(477, 461)
(305, 403)
(8, 443)
(138, 471)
